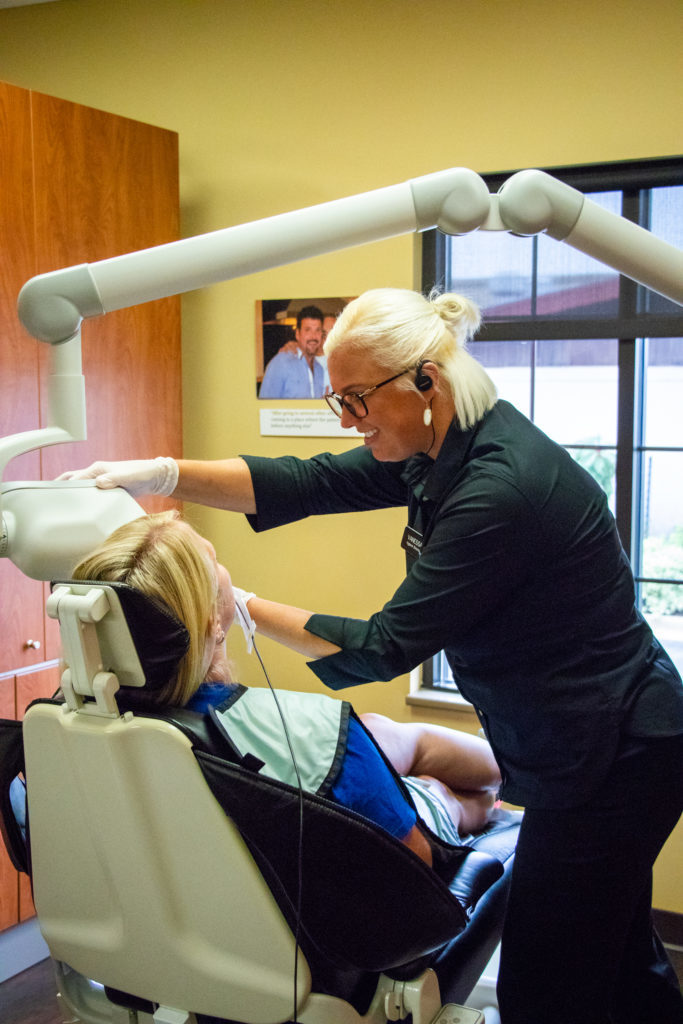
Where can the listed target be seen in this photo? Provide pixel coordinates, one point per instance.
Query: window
(596, 361)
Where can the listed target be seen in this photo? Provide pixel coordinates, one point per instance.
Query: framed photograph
(290, 334)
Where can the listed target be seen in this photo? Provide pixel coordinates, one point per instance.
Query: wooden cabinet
(76, 186)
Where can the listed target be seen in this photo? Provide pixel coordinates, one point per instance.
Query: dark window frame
(633, 323)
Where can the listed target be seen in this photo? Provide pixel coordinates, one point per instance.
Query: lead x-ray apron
(317, 727)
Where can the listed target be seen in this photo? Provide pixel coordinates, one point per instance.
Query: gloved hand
(138, 476)
(242, 616)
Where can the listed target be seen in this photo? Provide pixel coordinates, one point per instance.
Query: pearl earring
(427, 415)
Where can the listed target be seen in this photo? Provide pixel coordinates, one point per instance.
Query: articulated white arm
(52, 306)
(457, 201)
(66, 405)
(531, 202)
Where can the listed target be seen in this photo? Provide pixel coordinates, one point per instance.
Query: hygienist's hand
(138, 476)
(242, 616)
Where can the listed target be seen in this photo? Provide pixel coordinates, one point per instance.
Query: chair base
(82, 1001)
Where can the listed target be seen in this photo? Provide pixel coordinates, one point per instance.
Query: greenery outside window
(596, 361)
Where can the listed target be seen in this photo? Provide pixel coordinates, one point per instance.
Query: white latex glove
(242, 616)
(138, 476)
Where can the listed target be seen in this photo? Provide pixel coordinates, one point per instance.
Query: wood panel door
(106, 185)
(21, 600)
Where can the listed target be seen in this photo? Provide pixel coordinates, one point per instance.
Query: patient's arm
(459, 766)
(458, 759)
(416, 842)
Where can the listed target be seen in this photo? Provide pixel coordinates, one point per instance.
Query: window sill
(427, 697)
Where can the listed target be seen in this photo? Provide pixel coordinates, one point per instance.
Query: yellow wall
(281, 104)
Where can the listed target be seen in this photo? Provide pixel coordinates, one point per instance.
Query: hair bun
(460, 314)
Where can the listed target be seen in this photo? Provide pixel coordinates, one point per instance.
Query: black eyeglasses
(354, 402)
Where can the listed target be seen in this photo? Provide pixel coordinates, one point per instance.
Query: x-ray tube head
(49, 526)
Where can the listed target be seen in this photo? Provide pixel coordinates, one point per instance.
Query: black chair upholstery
(360, 905)
(366, 903)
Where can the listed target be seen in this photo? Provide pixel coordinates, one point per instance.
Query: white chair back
(141, 882)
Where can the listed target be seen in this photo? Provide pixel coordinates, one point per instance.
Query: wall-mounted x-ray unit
(45, 527)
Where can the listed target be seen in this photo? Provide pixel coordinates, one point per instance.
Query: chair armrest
(11, 765)
(476, 874)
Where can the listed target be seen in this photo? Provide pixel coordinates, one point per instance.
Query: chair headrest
(160, 639)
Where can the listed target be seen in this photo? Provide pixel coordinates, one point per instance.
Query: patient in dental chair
(452, 777)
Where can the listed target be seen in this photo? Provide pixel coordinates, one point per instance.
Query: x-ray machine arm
(52, 307)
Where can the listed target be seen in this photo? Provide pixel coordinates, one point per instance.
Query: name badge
(412, 542)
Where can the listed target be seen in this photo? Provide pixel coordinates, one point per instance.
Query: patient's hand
(137, 476)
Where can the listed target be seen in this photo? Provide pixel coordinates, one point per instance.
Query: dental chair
(175, 884)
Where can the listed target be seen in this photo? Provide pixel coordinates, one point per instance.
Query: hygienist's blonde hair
(159, 555)
(398, 328)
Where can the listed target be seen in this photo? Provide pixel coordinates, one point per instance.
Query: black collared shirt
(520, 578)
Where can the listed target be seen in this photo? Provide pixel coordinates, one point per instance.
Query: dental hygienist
(515, 568)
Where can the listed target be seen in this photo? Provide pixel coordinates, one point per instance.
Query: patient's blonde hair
(398, 328)
(158, 555)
